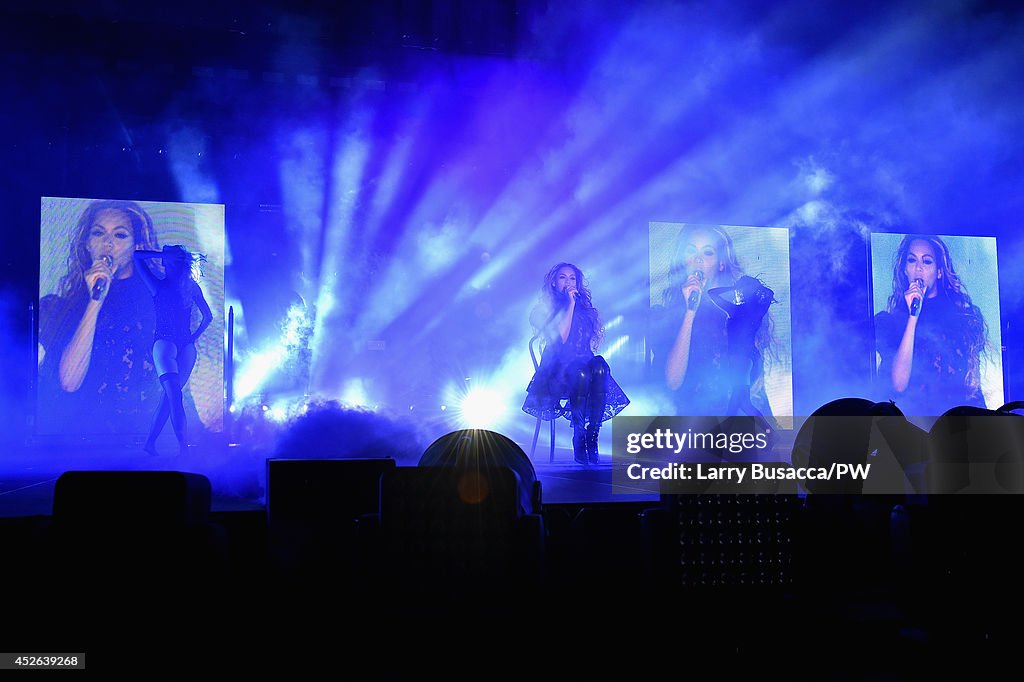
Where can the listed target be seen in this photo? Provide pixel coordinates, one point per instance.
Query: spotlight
(354, 394)
(482, 408)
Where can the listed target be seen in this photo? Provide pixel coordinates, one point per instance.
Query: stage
(237, 472)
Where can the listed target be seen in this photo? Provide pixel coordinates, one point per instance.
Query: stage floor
(237, 474)
(28, 476)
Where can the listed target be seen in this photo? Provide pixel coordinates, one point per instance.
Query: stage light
(255, 369)
(482, 408)
(354, 394)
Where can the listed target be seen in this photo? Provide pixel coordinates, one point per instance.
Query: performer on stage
(569, 366)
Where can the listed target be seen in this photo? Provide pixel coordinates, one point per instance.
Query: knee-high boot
(598, 394)
(593, 432)
(579, 437)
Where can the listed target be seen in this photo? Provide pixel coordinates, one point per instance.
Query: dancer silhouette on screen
(174, 350)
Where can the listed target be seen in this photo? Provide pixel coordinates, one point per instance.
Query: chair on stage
(562, 409)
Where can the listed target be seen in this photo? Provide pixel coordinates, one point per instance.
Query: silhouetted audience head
(978, 451)
(840, 432)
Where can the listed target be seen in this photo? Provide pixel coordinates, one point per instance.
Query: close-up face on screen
(937, 325)
(99, 326)
(720, 334)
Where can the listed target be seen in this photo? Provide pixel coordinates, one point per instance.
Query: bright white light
(256, 368)
(284, 409)
(482, 408)
(354, 394)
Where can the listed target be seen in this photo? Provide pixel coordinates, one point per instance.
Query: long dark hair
(191, 269)
(555, 300)
(948, 284)
(79, 260)
(766, 343)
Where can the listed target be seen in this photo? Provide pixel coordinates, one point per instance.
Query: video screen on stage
(720, 327)
(108, 331)
(936, 322)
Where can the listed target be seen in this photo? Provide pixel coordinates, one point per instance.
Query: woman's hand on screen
(99, 270)
(916, 291)
(692, 284)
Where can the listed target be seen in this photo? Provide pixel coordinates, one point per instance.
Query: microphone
(694, 295)
(101, 283)
(915, 305)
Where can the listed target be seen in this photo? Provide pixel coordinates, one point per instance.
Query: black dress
(552, 381)
(120, 391)
(709, 376)
(938, 374)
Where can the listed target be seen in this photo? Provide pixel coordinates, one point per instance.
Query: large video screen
(720, 331)
(98, 319)
(937, 324)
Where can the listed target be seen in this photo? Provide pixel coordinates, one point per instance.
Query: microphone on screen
(915, 305)
(101, 283)
(695, 295)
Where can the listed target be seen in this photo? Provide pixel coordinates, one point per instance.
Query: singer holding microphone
(96, 372)
(690, 337)
(569, 366)
(931, 338)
